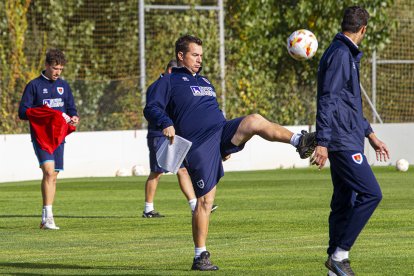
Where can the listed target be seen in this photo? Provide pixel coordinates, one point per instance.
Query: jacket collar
(351, 45)
(184, 70)
(43, 74)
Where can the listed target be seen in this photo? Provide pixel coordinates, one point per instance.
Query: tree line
(100, 40)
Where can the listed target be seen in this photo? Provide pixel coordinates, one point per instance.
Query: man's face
(193, 58)
(53, 71)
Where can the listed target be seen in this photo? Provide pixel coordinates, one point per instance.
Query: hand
(225, 158)
(319, 156)
(74, 120)
(169, 132)
(381, 149)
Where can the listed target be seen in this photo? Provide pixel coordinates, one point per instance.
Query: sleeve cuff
(323, 143)
(166, 124)
(368, 132)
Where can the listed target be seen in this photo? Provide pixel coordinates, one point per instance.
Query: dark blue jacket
(40, 91)
(186, 102)
(153, 130)
(340, 123)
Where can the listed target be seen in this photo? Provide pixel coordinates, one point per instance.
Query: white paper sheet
(171, 156)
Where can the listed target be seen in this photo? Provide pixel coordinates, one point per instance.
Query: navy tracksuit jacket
(342, 128)
(187, 102)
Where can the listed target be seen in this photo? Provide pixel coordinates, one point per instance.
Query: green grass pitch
(268, 223)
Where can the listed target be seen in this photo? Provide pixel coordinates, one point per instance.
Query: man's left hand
(319, 156)
(381, 149)
(74, 120)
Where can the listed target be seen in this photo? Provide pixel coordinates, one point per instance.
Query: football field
(268, 223)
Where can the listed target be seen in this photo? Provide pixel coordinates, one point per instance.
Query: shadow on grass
(64, 266)
(64, 216)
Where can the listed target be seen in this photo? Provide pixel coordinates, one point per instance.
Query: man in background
(341, 130)
(49, 89)
(155, 139)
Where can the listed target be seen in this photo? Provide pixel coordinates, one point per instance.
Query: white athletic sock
(294, 141)
(48, 211)
(43, 214)
(340, 254)
(198, 251)
(192, 203)
(149, 207)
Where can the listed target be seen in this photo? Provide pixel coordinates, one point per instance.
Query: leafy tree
(100, 40)
(263, 78)
(14, 66)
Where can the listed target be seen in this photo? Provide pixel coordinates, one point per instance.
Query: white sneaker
(49, 224)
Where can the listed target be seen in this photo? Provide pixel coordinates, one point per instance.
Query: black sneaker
(307, 144)
(214, 208)
(342, 268)
(152, 214)
(203, 262)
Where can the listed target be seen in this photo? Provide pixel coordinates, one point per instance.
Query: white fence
(93, 154)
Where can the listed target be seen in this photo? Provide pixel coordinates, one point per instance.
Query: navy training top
(186, 102)
(41, 90)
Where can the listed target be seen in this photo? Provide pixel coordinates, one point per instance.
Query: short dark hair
(354, 19)
(55, 57)
(172, 63)
(181, 45)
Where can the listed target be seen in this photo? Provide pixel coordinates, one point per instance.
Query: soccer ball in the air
(402, 165)
(302, 44)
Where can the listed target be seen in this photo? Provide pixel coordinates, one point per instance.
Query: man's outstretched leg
(201, 219)
(256, 124)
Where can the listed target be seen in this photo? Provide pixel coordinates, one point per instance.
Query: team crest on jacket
(206, 80)
(60, 90)
(357, 157)
(200, 184)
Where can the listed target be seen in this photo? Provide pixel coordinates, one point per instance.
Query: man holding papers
(184, 103)
(155, 139)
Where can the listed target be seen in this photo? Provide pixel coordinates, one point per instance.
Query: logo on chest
(203, 91)
(60, 90)
(357, 158)
(54, 102)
